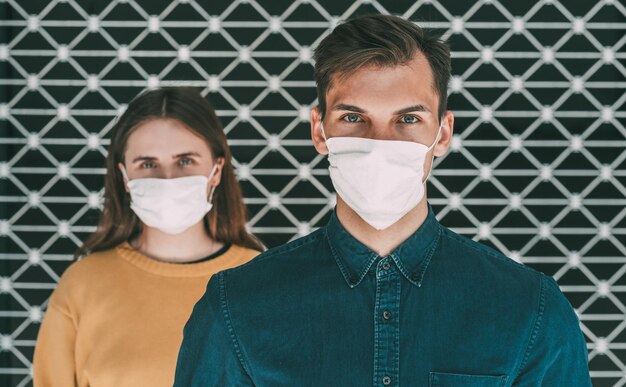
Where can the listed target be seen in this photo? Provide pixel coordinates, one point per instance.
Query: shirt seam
(537, 326)
(66, 314)
(429, 257)
(332, 251)
(229, 325)
(494, 254)
(279, 250)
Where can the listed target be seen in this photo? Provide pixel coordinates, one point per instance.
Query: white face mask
(170, 205)
(381, 180)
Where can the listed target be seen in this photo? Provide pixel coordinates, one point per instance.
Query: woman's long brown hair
(226, 222)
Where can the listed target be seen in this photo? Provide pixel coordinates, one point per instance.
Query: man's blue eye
(185, 161)
(147, 165)
(409, 120)
(351, 118)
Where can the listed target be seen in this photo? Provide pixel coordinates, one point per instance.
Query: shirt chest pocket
(443, 379)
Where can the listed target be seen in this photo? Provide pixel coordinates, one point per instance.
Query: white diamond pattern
(537, 167)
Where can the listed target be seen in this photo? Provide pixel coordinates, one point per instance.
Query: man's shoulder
(479, 255)
(269, 278)
(515, 284)
(297, 251)
(487, 271)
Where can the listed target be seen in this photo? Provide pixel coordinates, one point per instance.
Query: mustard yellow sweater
(116, 318)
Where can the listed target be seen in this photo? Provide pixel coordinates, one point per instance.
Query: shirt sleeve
(557, 353)
(209, 355)
(53, 363)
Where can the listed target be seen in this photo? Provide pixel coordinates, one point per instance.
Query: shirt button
(354, 279)
(415, 276)
(386, 380)
(386, 315)
(386, 265)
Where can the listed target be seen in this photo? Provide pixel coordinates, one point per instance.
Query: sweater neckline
(171, 269)
(216, 254)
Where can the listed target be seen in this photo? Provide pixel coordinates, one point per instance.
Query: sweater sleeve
(54, 362)
(557, 352)
(209, 355)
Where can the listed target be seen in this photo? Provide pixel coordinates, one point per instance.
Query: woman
(173, 216)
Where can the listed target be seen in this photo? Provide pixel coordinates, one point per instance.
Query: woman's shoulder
(77, 282)
(89, 266)
(242, 254)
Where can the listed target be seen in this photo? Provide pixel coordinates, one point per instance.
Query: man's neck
(383, 242)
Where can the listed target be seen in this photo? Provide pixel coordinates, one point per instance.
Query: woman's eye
(184, 161)
(409, 120)
(352, 118)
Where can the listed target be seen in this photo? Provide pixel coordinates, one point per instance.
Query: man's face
(384, 103)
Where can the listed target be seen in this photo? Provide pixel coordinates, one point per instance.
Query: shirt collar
(411, 257)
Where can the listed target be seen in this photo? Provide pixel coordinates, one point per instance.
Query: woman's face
(165, 149)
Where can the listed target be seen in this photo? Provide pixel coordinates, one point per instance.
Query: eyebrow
(184, 154)
(414, 108)
(352, 108)
(356, 109)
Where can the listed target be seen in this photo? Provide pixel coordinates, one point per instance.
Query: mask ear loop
(124, 175)
(213, 187)
(126, 180)
(323, 134)
(432, 160)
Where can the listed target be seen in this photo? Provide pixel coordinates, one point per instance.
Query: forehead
(386, 84)
(158, 137)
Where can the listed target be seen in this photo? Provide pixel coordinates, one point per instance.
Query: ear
(217, 176)
(316, 132)
(120, 166)
(447, 129)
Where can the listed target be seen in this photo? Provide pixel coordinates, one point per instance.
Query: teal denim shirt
(325, 310)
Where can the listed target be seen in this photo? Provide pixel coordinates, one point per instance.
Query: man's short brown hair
(381, 40)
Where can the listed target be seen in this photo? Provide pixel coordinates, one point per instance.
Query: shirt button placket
(387, 329)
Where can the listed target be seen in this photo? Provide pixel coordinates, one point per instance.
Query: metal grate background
(537, 166)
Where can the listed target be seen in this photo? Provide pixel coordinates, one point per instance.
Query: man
(383, 294)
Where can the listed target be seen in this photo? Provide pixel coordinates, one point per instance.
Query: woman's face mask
(171, 205)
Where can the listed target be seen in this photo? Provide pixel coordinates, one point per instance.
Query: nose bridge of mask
(211, 175)
(427, 150)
